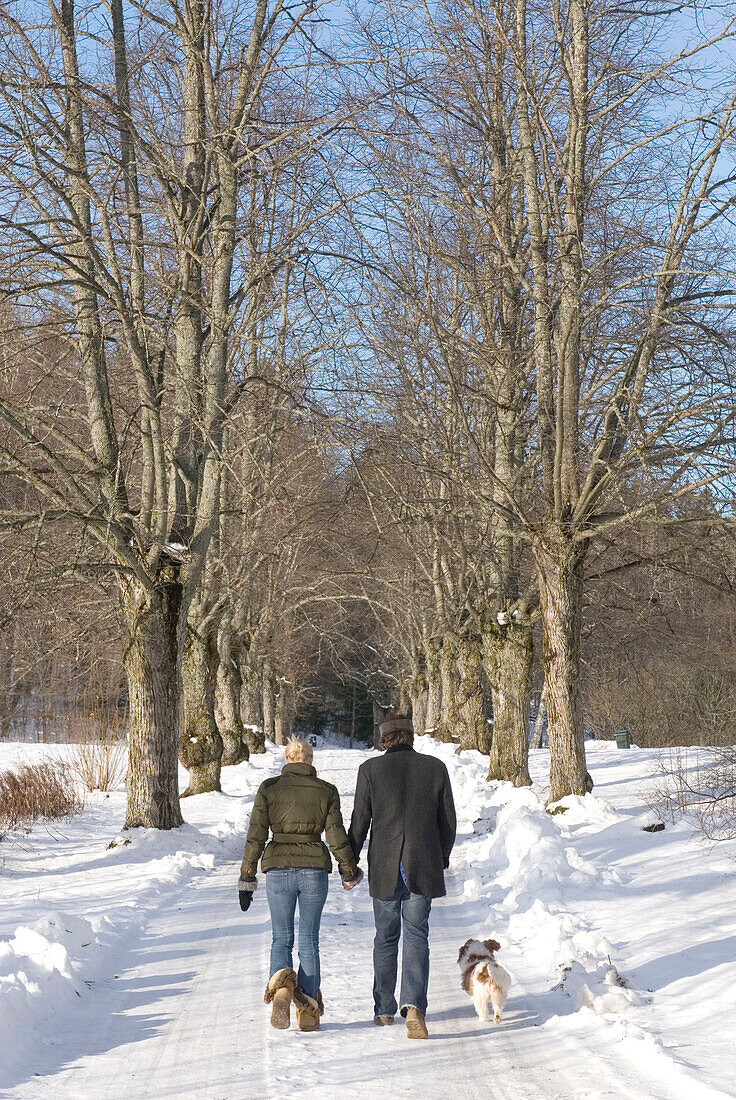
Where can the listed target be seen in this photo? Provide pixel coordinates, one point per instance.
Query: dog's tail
(483, 975)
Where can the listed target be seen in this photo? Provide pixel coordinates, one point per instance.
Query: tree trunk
(269, 702)
(227, 700)
(536, 741)
(7, 694)
(432, 715)
(418, 697)
(559, 566)
(472, 728)
(378, 716)
(508, 653)
(251, 706)
(404, 698)
(153, 670)
(200, 744)
(284, 712)
(446, 729)
(353, 715)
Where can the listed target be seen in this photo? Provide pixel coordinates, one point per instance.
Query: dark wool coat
(296, 807)
(405, 798)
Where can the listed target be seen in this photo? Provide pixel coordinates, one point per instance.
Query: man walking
(405, 798)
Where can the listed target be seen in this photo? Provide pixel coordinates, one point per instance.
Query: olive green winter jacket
(296, 807)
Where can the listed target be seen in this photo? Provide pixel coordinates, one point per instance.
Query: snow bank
(518, 860)
(43, 969)
(48, 966)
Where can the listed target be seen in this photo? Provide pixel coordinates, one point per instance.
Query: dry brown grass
(96, 753)
(100, 764)
(31, 792)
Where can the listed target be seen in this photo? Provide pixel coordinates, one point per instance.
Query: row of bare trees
(161, 174)
(358, 345)
(553, 193)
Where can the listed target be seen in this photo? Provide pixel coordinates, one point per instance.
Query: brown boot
(415, 1025)
(383, 1021)
(279, 991)
(308, 1009)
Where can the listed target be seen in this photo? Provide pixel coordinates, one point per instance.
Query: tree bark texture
(433, 712)
(200, 743)
(418, 697)
(536, 741)
(268, 695)
(559, 565)
(251, 706)
(378, 716)
(284, 712)
(472, 729)
(227, 701)
(403, 698)
(508, 652)
(446, 729)
(153, 672)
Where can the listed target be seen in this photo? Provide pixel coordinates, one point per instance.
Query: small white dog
(483, 978)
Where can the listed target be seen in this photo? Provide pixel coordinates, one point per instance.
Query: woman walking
(297, 807)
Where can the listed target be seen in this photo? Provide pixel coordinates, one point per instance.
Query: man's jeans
(408, 913)
(308, 886)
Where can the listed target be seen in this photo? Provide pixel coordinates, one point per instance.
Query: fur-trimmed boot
(416, 1028)
(280, 990)
(308, 1009)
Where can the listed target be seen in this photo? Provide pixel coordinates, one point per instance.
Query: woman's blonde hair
(298, 751)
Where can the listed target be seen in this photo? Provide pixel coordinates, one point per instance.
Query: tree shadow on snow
(688, 963)
(516, 1018)
(354, 1025)
(108, 1015)
(220, 932)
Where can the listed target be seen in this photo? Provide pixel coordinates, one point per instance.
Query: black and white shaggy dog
(483, 978)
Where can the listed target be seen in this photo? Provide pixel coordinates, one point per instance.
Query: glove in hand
(246, 889)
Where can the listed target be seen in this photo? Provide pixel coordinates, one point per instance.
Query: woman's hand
(246, 889)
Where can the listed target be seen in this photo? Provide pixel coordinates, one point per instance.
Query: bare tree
(529, 117)
(134, 245)
(598, 411)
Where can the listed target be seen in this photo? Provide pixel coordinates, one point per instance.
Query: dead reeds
(97, 753)
(31, 792)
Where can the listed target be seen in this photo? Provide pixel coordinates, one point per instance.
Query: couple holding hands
(404, 798)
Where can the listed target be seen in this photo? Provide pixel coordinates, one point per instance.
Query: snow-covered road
(177, 1010)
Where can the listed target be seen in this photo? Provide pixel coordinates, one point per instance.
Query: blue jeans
(308, 886)
(408, 913)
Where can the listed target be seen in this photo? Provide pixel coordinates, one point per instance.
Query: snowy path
(184, 1015)
(186, 1019)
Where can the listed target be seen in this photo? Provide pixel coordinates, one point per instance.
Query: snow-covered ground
(128, 970)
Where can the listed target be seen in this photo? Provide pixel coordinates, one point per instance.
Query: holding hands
(350, 879)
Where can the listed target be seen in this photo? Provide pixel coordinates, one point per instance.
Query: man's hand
(351, 879)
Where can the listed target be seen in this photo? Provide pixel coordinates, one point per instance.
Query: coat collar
(400, 748)
(298, 769)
